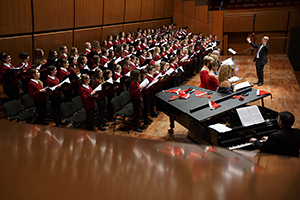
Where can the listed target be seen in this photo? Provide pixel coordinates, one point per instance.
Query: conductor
(260, 57)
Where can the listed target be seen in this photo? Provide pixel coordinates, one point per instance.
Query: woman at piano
(225, 86)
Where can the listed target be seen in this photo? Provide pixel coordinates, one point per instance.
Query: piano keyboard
(242, 145)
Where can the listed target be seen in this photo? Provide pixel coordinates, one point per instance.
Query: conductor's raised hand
(248, 39)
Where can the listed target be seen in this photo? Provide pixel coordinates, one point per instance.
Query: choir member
(116, 40)
(63, 52)
(110, 94)
(212, 81)
(74, 52)
(205, 71)
(10, 78)
(103, 45)
(117, 77)
(24, 56)
(52, 58)
(87, 48)
(224, 73)
(87, 96)
(62, 75)
(109, 41)
(39, 95)
(135, 93)
(156, 54)
(40, 63)
(96, 47)
(82, 62)
(74, 69)
(55, 97)
(99, 79)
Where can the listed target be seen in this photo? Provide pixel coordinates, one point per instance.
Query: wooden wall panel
(177, 19)
(15, 45)
(113, 11)
(201, 27)
(86, 35)
(189, 8)
(236, 41)
(53, 14)
(131, 27)
(225, 46)
(294, 19)
(15, 17)
(49, 41)
(218, 25)
(166, 22)
(147, 9)
(159, 9)
(238, 23)
(146, 25)
(169, 7)
(276, 42)
(210, 23)
(201, 13)
(190, 22)
(133, 10)
(271, 22)
(158, 23)
(111, 30)
(178, 6)
(88, 14)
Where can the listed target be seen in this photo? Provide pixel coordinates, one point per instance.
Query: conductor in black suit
(285, 141)
(260, 57)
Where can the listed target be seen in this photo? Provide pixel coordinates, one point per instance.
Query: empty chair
(28, 102)
(68, 111)
(78, 104)
(126, 98)
(120, 110)
(15, 111)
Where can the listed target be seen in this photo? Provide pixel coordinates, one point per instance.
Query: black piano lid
(184, 105)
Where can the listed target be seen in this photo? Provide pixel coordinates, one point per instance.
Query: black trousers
(55, 103)
(25, 85)
(146, 99)
(101, 107)
(67, 95)
(12, 92)
(90, 119)
(136, 111)
(260, 71)
(109, 106)
(41, 111)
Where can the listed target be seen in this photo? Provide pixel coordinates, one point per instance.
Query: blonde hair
(155, 51)
(224, 73)
(215, 57)
(87, 44)
(207, 59)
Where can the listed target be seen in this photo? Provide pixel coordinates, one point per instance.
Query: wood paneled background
(29, 24)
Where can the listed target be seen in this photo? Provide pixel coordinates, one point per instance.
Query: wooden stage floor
(279, 79)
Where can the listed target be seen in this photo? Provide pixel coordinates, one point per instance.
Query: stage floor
(279, 79)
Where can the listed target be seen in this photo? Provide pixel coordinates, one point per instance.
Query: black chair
(15, 111)
(28, 102)
(126, 98)
(68, 111)
(120, 110)
(78, 105)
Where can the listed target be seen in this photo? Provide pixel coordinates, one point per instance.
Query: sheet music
(232, 51)
(110, 80)
(242, 85)
(184, 58)
(152, 83)
(158, 76)
(87, 68)
(67, 80)
(221, 128)
(118, 60)
(234, 79)
(128, 74)
(228, 61)
(39, 67)
(250, 115)
(158, 61)
(118, 80)
(78, 75)
(95, 69)
(106, 65)
(143, 67)
(128, 56)
(144, 83)
(170, 71)
(98, 88)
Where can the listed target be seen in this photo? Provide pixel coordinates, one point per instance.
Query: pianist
(285, 141)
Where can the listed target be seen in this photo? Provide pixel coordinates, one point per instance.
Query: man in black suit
(260, 57)
(285, 141)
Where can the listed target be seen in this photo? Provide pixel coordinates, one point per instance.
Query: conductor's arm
(253, 45)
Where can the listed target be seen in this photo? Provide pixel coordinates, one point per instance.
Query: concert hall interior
(121, 158)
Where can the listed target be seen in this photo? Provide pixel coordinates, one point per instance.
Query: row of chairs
(72, 112)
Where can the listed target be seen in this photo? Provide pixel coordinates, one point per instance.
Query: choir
(155, 60)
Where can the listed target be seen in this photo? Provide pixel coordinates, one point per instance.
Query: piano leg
(172, 122)
(262, 102)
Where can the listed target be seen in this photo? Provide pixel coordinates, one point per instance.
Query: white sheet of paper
(144, 83)
(242, 85)
(234, 79)
(67, 80)
(250, 115)
(152, 83)
(110, 80)
(232, 51)
(170, 71)
(220, 127)
(228, 61)
(98, 88)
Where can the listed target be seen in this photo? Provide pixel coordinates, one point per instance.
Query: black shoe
(138, 130)
(256, 83)
(101, 128)
(105, 124)
(259, 84)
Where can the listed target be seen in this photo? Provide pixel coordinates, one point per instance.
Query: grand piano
(195, 114)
